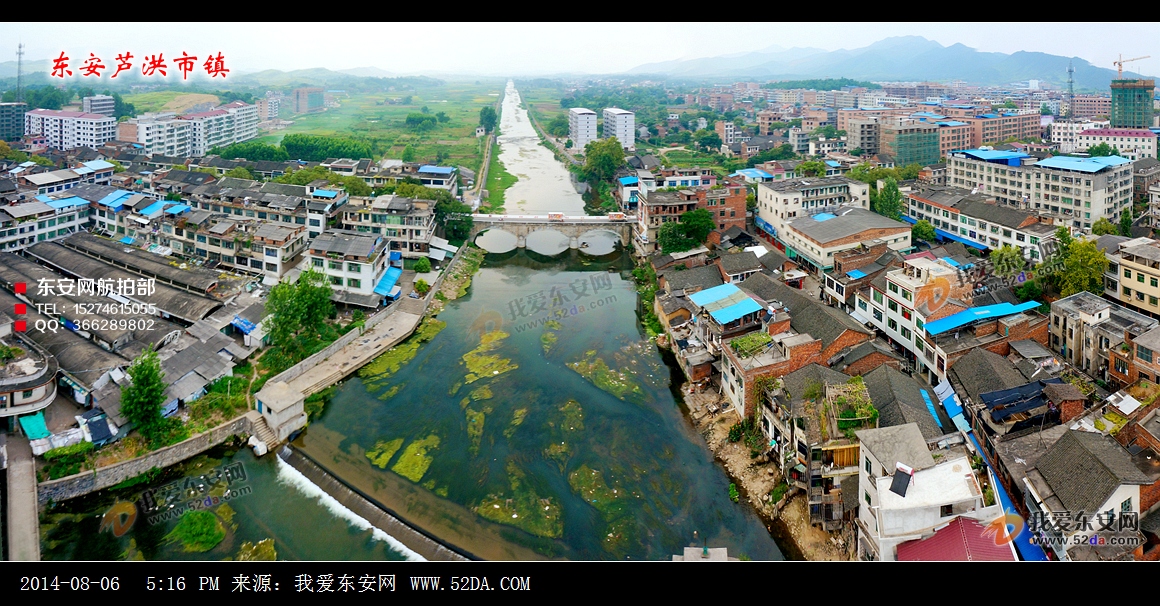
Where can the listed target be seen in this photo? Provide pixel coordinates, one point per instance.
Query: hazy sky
(523, 49)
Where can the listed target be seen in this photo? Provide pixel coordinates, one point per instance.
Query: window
(906, 314)
(877, 296)
(355, 267)
(335, 265)
(906, 295)
(317, 262)
(906, 333)
(271, 252)
(867, 498)
(335, 280)
(892, 305)
(862, 304)
(354, 282)
(1121, 366)
(918, 323)
(1126, 506)
(1127, 273)
(1152, 282)
(892, 286)
(271, 267)
(892, 324)
(1127, 291)
(1140, 277)
(878, 315)
(946, 511)
(1144, 353)
(870, 472)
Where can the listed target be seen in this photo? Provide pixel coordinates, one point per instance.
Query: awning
(436, 254)
(396, 255)
(126, 240)
(395, 292)
(34, 426)
(859, 317)
(736, 311)
(141, 220)
(243, 324)
(438, 242)
(388, 282)
(177, 210)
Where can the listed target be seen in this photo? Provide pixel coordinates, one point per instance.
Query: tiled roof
(962, 540)
(1083, 469)
(899, 401)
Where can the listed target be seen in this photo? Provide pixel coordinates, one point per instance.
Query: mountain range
(902, 58)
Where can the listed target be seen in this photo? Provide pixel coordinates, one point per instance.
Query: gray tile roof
(807, 315)
(1083, 469)
(861, 350)
(981, 371)
(739, 262)
(846, 222)
(899, 401)
(346, 243)
(897, 444)
(795, 382)
(697, 278)
(773, 259)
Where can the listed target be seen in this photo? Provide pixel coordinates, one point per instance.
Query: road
(23, 523)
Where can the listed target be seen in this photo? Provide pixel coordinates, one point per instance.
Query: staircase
(265, 434)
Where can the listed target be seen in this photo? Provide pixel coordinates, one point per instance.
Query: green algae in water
(441, 491)
(262, 551)
(474, 429)
(559, 452)
(622, 385)
(429, 484)
(455, 388)
(198, 531)
(517, 420)
(548, 339)
(554, 324)
(390, 393)
(226, 513)
(483, 392)
(482, 365)
(382, 452)
(524, 509)
(378, 371)
(413, 463)
(620, 529)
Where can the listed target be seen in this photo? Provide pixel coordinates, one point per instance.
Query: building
(1132, 103)
(619, 123)
(1086, 328)
(1074, 192)
(863, 134)
(308, 100)
(879, 453)
(976, 220)
(68, 130)
(952, 135)
(1087, 106)
(1145, 174)
(581, 127)
(158, 134)
(990, 129)
(657, 208)
(224, 125)
(779, 202)
(1131, 143)
(813, 240)
(1132, 274)
(1064, 132)
(99, 104)
(353, 262)
(726, 130)
(910, 142)
(407, 224)
(12, 121)
(268, 108)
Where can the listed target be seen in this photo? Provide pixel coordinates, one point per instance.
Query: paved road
(379, 338)
(23, 522)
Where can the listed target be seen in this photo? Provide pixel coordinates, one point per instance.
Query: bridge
(522, 226)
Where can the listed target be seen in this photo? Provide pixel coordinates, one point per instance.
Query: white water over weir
(299, 471)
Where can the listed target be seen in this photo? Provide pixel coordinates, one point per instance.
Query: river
(544, 184)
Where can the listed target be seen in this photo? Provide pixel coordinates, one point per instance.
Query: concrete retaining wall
(295, 371)
(89, 481)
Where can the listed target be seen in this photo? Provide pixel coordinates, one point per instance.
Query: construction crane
(1122, 61)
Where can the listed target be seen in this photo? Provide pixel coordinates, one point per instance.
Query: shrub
(735, 432)
(734, 495)
(421, 287)
(423, 265)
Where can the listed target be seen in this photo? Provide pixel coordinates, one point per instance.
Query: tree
(889, 200)
(240, 172)
(1126, 223)
(423, 265)
(253, 151)
(409, 153)
(421, 286)
(488, 118)
(425, 109)
(1103, 149)
(568, 144)
(173, 196)
(922, 230)
(707, 139)
(558, 127)
(141, 400)
(602, 158)
(297, 309)
(697, 224)
(1084, 265)
(1028, 291)
(1044, 110)
(813, 168)
(857, 151)
(1007, 261)
(1103, 227)
(671, 237)
(442, 117)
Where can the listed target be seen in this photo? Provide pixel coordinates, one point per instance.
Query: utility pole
(1070, 88)
(19, 72)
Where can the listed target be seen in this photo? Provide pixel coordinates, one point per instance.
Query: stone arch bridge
(522, 226)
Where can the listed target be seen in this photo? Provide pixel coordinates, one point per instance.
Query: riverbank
(756, 481)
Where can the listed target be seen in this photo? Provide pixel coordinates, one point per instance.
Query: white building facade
(620, 123)
(69, 130)
(581, 127)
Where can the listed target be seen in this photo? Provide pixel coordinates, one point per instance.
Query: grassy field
(684, 158)
(371, 117)
(168, 101)
(498, 180)
(544, 103)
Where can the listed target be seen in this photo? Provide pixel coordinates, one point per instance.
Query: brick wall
(872, 361)
(856, 258)
(848, 338)
(1070, 410)
(1149, 496)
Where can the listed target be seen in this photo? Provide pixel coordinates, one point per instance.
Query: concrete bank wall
(294, 371)
(89, 481)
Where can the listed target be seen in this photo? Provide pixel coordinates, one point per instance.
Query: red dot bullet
(20, 326)
(21, 287)
(21, 309)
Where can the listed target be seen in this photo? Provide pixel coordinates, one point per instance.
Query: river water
(544, 184)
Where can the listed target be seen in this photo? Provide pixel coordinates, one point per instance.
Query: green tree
(889, 201)
(409, 153)
(707, 140)
(240, 172)
(671, 237)
(602, 158)
(813, 168)
(421, 286)
(253, 151)
(1126, 223)
(1103, 149)
(297, 310)
(1084, 265)
(173, 196)
(1007, 261)
(781, 152)
(1103, 227)
(117, 166)
(558, 127)
(568, 144)
(442, 117)
(922, 230)
(1044, 110)
(423, 265)
(697, 224)
(488, 118)
(1028, 291)
(141, 400)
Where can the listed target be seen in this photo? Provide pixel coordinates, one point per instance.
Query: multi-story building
(581, 127)
(765, 121)
(1131, 143)
(686, 177)
(619, 123)
(1074, 192)
(779, 202)
(1085, 328)
(1064, 132)
(880, 451)
(799, 140)
(989, 129)
(158, 134)
(69, 130)
(1132, 103)
(99, 104)
(976, 220)
(12, 121)
(909, 142)
(307, 100)
(822, 146)
(96, 171)
(952, 135)
(353, 263)
(27, 382)
(863, 134)
(407, 224)
(22, 225)
(657, 208)
(1133, 273)
(724, 129)
(1145, 175)
(1086, 106)
(813, 240)
(268, 108)
(224, 125)
(726, 202)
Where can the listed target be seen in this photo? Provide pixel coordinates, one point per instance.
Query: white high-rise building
(620, 123)
(162, 134)
(581, 127)
(231, 123)
(99, 104)
(68, 130)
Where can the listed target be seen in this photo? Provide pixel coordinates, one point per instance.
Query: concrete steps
(265, 434)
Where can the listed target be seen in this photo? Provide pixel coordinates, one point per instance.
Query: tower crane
(1120, 64)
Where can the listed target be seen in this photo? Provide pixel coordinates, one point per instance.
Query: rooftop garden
(750, 344)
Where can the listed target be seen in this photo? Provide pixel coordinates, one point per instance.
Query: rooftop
(949, 482)
(843, 223)
(898, 444)
(962, 540)
(1082, 470)
(347, 243)
(1084, 165)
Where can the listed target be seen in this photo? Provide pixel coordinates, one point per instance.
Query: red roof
(960, 541)
(1118, 132)
(59, 113)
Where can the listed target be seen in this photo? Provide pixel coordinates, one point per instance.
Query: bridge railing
(545, 219)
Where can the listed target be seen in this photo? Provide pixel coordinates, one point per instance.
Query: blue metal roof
(243, 324)
(977, 313)
(441, 170)
(930, 407)
(83, 170)
(1027, 550)
(126, 240)
(856, 273)
(951, 123)
(707, 296)
(735, 311)
(69, 202)
(116, 199)
(177, 210)
(752, 173)
(1086, 165)
(44, 198)
(388, 282)
(98, 165)
(824, 217)
(991, 154)
(154, 208)
(325, 193)
(629, 180)
(833, 163)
